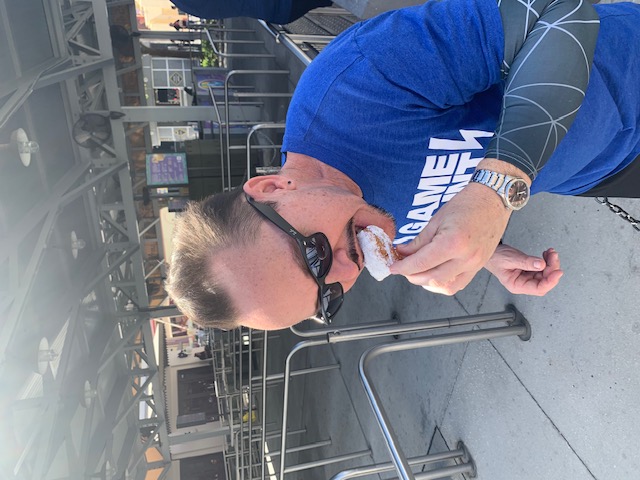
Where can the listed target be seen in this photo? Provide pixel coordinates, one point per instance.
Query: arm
(549, 48)
(464, 233)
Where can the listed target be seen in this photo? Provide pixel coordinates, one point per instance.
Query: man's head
(204, 230)
(254, 265)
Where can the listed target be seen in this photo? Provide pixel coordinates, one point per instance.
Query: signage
(167, 169)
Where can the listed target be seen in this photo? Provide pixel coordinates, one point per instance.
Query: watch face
(517, 193)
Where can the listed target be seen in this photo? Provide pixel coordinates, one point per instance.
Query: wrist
(491, 265)
(506, 168)
(505, 180)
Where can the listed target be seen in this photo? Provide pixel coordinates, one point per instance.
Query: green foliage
(209, 58)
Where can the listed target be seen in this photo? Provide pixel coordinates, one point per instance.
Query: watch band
(494, 180)
(500, 183)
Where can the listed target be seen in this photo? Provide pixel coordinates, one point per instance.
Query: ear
(260, 187)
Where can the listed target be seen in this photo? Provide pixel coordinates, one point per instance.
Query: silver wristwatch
(513, 191)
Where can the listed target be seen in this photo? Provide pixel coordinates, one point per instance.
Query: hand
(519, 273)
(457, 242)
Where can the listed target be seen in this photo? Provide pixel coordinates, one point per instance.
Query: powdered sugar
(378, 250)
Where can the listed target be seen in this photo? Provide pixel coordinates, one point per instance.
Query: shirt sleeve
(442, 52)
(549, 47)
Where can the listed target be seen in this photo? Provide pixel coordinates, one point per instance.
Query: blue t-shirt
(276, 11)
(406, 103)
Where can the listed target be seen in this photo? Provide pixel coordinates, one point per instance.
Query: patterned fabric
(549, 47)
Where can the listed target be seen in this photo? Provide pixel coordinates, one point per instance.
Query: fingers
(552, 258)
(417, 243)
(431, 255)
(536, 283)
(547, 284)
(450, 288)
(433, 280)
(456, 244)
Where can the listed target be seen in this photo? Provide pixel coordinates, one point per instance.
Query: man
(430, 113)
(275, 11)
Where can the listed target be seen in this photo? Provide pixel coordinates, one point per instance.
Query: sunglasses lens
(321, 243)
(332, 298)
(318, 255)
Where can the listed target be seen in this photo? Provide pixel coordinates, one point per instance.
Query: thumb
(534, 264)
(517, 259)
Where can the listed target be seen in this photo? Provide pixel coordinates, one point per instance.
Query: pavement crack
(543, 411)
(453, 386)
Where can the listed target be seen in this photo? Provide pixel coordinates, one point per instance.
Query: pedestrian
(435, 123)
(275, 11)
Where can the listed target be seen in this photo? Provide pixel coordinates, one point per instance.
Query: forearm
(548, 56)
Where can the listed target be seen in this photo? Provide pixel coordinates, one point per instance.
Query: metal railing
(516, 325)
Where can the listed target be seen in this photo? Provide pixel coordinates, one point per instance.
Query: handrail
(319, 332)
(255, 128)
(217, 111)
(291, 40)
(510, 315)
(283, 39)
(228, 77)
(519, 327)
(460, 452)
(235, 55)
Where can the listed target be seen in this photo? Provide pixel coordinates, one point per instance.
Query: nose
(343, 269)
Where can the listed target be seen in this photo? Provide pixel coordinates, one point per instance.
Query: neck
(305, 169)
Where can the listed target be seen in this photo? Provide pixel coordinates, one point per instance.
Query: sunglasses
(318, 256)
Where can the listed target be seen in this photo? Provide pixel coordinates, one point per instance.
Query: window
(196, 392)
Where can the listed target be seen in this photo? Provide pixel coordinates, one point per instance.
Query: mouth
(355, 252)
(373, 215)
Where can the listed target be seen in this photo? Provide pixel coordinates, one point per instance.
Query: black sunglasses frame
(323, 315)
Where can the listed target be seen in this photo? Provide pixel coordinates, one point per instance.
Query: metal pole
(241, 408)
(271, 435)
(250, 396)
(349, 335)
(400, 461)
(326, 461)
(226, 103)
(285, 407)
(263, 439)
(261, 126)
(302, 448)
(279, 377)
(237, 451)
(446, 472)
(318, 332)
(160, 263)
(336, 336)
(227, 133)
(387, 467)
(149, 227)
(511, 314)
(236, 55)
(220, 139)
(284, 39)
